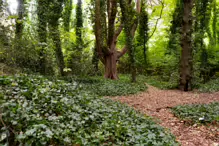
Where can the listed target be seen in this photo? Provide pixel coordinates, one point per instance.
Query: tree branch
(118, 31)
(161, 12)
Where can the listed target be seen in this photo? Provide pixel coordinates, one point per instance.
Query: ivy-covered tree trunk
(203, 16)
(19, 24)
(95, 60)
(128, 19)
(79, 24)
(55, 34)
(42, 32)
(55, 11)
(175, 30)
(186, 63)
(214, 23)
(67, 14)
(143, 31)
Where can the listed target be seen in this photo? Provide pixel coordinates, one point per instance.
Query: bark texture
(186, 44)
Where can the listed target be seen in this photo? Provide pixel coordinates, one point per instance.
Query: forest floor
(157, 103)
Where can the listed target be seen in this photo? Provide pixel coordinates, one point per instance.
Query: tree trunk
(42, 33)
(214, 23)
(186, 43)
(106, 36)
(55, 34)
(19, 24)
(110, 64)
(53, 21)
(19, 21)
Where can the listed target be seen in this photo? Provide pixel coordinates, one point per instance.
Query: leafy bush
(37, 111)
(204, 113)
(106, 87)
(211, 86)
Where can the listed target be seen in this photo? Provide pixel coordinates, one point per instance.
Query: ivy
(200, 113)
(39, 111)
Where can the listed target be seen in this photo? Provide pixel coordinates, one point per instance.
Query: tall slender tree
(214, 23)
(42, 13)
(175, 29)
(202, 23)
(143, 30)
(186, 61)
(128, 20)
(79, 23)
(19, 24)
(67, 14)
(55, 11)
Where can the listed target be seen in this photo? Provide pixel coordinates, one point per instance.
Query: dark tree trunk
(186, 63)
(79, 23)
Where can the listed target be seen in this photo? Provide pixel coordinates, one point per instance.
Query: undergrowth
(156, 81)
(106, 87)
(199, 113)
(160, 83)
(38, 111)
(211, 86)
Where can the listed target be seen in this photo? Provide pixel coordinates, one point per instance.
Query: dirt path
(156, 103)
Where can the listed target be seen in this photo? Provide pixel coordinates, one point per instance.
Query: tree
(175, 29)
(203, 16)
(107, 34)
(19, 24)
(55, 11)
(186, 63)
(67, 14)
(143, 31)
(42, 14)
(79, 23)
(214, 23)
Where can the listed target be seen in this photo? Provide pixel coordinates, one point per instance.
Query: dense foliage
(211, 86)
(39, 111)
(199, 113)
(65, 37)
(106, 87)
